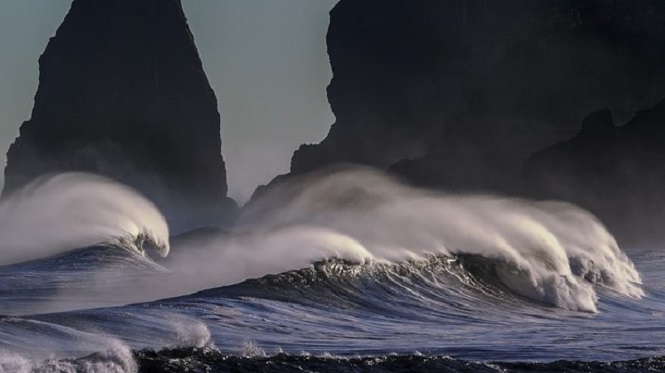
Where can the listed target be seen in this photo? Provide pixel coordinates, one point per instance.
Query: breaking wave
(550, 252)
(58, 213)
(373, 268)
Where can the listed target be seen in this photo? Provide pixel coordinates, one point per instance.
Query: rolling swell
(435, 288)
(551, 252)
(81, 278)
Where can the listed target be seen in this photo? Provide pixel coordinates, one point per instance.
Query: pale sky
(266, 60)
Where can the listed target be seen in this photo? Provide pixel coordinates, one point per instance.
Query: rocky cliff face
(122, 93)
(618, 173)
(458, 93)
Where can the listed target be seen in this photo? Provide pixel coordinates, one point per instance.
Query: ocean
(344, 271)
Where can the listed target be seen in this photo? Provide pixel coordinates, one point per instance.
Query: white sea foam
(116, 357)
(73, 210)
(14, 362)
(548, 251)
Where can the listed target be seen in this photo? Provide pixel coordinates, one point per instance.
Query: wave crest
(552, 252)
(58, 213)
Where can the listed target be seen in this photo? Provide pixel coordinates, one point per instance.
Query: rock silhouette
(457, 94)
(618, 173)
(122, 93)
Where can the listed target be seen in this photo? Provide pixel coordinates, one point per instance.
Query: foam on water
(115, 357)
(548, 251)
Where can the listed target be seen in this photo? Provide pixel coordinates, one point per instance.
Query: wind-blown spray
(548, 251)
(62, 212)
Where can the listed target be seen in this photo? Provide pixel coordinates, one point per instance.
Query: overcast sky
(266, 60)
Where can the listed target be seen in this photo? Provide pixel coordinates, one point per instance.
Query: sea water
(343, 270)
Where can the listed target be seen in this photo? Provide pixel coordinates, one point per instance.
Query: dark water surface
(447, 313)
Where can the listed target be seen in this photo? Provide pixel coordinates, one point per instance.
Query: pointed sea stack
(122, 93)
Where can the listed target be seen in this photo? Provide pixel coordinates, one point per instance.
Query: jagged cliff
(618, 173)
(458, 93)
(122, 93)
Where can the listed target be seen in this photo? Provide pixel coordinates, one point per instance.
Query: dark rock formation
(458, 93)
(618, 173)
(122, 93)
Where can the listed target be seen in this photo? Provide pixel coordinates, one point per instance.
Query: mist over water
(551, 252)
(548, 251)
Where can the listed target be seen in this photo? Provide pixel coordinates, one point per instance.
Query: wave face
(340, 271)
(551, 252)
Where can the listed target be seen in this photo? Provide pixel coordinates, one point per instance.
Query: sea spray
(548, 251)
(367, 268)
(101, 353)
(62, 212)
(230, 259)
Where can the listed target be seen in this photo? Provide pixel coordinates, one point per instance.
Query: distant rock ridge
(122, 93)
(457, 94)
(618, 173)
